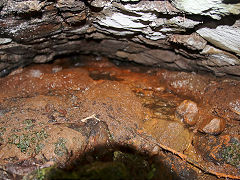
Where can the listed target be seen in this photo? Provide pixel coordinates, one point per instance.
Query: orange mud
(44, 110)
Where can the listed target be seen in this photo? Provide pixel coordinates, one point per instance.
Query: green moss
(39, 174)
(41, 134)
(97, 170)
(39, 147)
(94, 171)
(31, 143)
(2, 131)
(231, 154)
(29, 123)
(23, 142)
(60, 148)
(136, 164)
(15, 130)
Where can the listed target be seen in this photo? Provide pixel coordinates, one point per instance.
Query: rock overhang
(180, 35)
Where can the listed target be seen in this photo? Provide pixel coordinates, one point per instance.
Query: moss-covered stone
(60, 147)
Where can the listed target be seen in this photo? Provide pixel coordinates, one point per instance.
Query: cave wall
(189, 35)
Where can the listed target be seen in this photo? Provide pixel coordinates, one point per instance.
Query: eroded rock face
(170, 35)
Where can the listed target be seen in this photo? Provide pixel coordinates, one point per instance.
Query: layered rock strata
(180, 35)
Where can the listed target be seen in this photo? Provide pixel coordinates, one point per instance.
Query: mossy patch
(60, 147)
(231, 154)
(14, 130)
(2, 131)
(31, 143)
(29, 123)
(136, 164)
(39, 174)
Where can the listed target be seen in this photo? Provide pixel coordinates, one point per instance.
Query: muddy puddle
(94, 114)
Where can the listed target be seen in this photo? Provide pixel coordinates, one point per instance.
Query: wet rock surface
(215, 126)
(179, 35)
(89, 111)
(187, 112)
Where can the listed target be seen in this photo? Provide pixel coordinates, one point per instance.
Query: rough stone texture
(187, 112)
(213, 8)
(215, 126)
(174, 35)
(220, 37)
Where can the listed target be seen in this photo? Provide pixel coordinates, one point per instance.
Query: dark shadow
(231, 1)
(212, 23)
(29, 15)
(113, 162)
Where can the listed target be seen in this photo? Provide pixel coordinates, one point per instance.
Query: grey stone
(215, 9)
(5, 40)
(223, 36)
(70, 5)
(12, 6)
(217, 57)
(100, 3)
(157, 33)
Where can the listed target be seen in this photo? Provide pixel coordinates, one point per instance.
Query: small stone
(160, 89)
(35, 73)
(215, 126)
(156, 150)
(5, 40)
(56, 69)
(187, 112)
(99, 3)
(193, 41)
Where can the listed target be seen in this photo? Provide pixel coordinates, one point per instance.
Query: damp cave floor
(51, 114)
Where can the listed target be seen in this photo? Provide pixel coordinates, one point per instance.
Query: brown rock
(215, 126)
(187, 112)
(193, 41)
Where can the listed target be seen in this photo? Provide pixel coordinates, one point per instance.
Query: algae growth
(231, 154)
(31, 143)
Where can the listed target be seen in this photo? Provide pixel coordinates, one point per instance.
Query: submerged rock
(187, 112)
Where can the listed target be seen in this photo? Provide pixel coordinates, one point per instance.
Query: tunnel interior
(119, 89)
